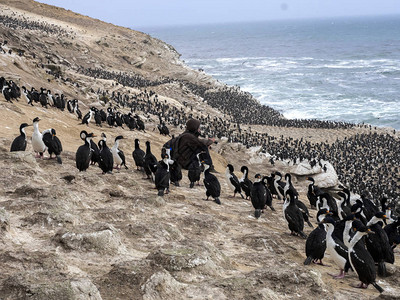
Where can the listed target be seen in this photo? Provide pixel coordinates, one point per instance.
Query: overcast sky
(148, 13)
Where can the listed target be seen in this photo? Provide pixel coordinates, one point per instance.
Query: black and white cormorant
(76, 109)
(278, 185)
(361, 260)
(289, 186)
(316, 240)
(140, 124)
(150, 162)
(19, 143)
(52, 143)
(43, 98)
(233, 181)
(336, 248)
(97, 118)
(138, 155)
(313, 192)
(95, 153)
(378, 244)
(70, 106)
(88, 117)
(340, 230)
(161, 177)
(344, 208)
(392, 232)
(211, 183)
(245, 182)
(325, 200)
(106, 161)
(37, 139)
(258, 195)
(268, 198)
(84, 152)
(194, 171)
(118, 155)
(293, 215)
(369, 208)
(27, 95)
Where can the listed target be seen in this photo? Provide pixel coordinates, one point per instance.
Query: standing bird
(336, 249)
(27, 95)
(279, 185)
(268, 199)
(378, 243)
(70, 106)
(293, 216)
(76, 109)
(52, 143)
(118, 155)
(245, 182)
(211, 183)
(138, 155)
(106, 161)
(344, 208)
(289, 186)
(361, 260)
(161, 177)
(97, 118)
(194, 171)
(150, 162)
(369, 208)
(233, 181)
(313, 192)
(325, 200)
(84, 152)
(316, 240)
(258, 195)
(19, 143)
(37, 139)
(95, 153)
(43, 98)
(393, 232)
(303, 208)
(88, 117)
(139, 123)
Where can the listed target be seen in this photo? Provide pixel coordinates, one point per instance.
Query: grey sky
(148, 13)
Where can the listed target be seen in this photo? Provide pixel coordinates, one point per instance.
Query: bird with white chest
(118, 155)
(233, 181)
(37, 139)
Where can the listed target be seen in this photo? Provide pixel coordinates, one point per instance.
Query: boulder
(198, 257)
(98, 237)
(322, 179)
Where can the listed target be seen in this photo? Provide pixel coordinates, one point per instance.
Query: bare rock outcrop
(98, 237)
(4, 220)
(201, 258)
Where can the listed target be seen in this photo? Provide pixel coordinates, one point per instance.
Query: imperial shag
(19, 143)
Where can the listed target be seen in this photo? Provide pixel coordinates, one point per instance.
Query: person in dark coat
(190, 144)
(185, 147)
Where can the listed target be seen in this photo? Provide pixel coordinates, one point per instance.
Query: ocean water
(338, 69)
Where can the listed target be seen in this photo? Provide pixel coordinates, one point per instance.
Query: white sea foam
(307, 73)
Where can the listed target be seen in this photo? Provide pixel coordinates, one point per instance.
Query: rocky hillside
(67, 234)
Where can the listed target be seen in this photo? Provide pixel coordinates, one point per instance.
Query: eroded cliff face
(83, 235)
(79, 41)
